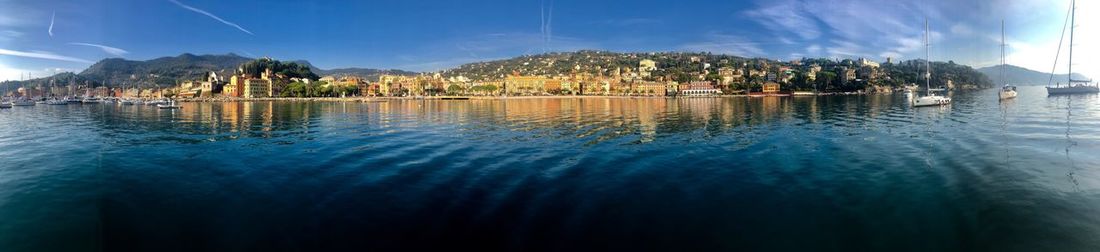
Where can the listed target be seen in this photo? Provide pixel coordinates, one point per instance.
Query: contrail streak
(54, 16)
(111, 50)
(42, 55)
(200, 11)
(550, 25)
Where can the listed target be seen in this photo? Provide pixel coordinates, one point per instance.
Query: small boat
(57, 102)
(90, 100)
(72, 100)
(126, 102)
(171, 104)
(22, 102)
(5, 104)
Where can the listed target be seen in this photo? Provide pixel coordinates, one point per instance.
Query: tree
(455, 89)
(294, 89)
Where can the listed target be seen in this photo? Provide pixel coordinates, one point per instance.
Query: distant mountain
(1024, 77)
(369, 73)
(168, 71)
(163, 71)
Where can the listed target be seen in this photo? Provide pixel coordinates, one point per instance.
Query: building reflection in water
(594, 120)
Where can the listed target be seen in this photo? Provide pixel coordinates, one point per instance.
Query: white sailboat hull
(931, 100)
(1080, 89)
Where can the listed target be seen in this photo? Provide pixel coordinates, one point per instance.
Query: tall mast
(1072, 23)
(927, 57)
(1004, 62)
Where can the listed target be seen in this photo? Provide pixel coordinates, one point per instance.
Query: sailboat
(23, 101)
(931, 98)
(4, 103)
(1071, 88)
(1007, 91)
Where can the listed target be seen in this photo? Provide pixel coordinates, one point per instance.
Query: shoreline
(461, 98)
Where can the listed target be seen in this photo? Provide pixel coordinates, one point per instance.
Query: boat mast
(927, 58)
(1004, 63)
(1072, 23)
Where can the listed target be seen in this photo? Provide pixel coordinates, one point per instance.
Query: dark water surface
(850, 173)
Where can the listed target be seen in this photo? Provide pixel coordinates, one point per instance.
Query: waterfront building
(771, 88)
(672, 88)
(526, 84)
(699, 88)
(256, 88)
(393, 85)
(188, 89)
(650, 88)
(235, 87)
(350, 81)
(212, 85)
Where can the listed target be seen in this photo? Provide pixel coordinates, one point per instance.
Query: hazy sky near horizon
(47, 36)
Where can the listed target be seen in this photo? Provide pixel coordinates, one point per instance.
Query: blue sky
(432, 35)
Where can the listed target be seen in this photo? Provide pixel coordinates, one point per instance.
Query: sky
(43, 37)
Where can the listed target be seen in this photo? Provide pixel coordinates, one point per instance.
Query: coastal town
(583, 73)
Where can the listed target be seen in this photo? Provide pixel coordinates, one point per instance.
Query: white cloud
(814, 50)
(961, 29)
(726, 44)
(9, 35)
(786, 17)
(893, 55)
(42, 55)
(846, 49)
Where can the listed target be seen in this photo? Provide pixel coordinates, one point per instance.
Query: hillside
(168, 71)
(1024, 77)
(595, 62)
(688, 66)
(369, 73)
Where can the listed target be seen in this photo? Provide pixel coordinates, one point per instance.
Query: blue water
(844, 173)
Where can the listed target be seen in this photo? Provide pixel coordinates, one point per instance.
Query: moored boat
(22, 102)
(170, 104)
(932, 98)
(1007, 91)
(1072, 86)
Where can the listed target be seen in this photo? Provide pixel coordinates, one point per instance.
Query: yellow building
(771, 87)
(526, 84)
(256, 88)
(650, 88)
(389, 85)
(647, 65)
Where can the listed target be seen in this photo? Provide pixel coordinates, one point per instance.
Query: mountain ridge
(1020, 76)
(170, 70)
